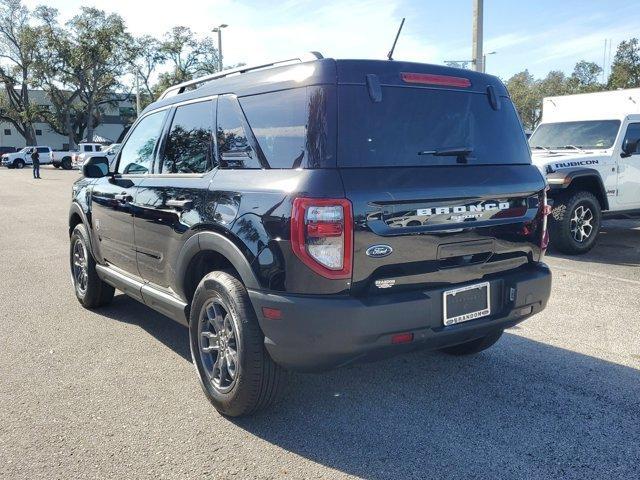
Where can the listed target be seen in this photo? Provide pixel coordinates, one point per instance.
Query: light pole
(484, 61)
(218, 30)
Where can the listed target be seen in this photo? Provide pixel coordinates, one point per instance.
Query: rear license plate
(466, 303)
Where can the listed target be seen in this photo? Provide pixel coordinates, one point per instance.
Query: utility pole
(476, 51)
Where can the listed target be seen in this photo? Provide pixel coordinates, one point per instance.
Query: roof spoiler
(181, 87)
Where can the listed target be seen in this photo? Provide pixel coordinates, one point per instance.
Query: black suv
(317, 212)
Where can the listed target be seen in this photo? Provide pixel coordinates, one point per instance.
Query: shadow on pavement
(163, 329)
(522, 409)
(617, 244)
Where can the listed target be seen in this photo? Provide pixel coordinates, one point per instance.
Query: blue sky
(540, 35)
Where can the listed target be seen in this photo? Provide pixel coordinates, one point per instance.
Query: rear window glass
(233, 142)
(410, 125)
(278, 121)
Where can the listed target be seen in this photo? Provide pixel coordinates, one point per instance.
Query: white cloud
(342, 29)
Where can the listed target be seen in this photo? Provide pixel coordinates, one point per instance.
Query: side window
(633, 134)
(279, 122)
(136, 155)
(43, 150)
(189, 146)
(233, 144)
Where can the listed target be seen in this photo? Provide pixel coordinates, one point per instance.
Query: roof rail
(181, 87)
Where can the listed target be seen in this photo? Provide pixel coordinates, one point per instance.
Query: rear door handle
(123, 197)
(182, 204)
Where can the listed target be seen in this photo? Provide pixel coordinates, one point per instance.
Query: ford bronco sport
(312, 213)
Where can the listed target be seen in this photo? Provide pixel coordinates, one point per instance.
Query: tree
(143, 56)
(522, 88)
(554, 84)
(584, 78)
(56, 72)
(18, 42)
(188, 57)
(625, 70)
(99, 40)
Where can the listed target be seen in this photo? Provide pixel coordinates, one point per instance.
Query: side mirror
(629, 147)
(95, 167)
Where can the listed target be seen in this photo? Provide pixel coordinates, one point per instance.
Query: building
(114, 120)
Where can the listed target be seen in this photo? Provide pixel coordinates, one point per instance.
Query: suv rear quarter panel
(254, 208)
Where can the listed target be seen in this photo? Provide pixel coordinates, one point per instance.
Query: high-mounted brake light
(431, 79)
(322, 235)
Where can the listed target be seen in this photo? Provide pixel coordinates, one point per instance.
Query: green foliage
(625, 70)
(18, 41)
(527, 92)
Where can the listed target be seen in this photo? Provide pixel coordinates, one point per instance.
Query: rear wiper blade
(449, 152)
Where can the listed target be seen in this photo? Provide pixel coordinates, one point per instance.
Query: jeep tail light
(322, 235)
(431, 79)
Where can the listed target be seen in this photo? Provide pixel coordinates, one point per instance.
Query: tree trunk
(90, 107)
(69, 129)
(29, 135)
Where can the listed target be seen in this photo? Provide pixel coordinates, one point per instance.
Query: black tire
(255, 382)
(564, 232)
(94, 293)
(66, 163)
(19, 163)
(474, 346)
(56, 165)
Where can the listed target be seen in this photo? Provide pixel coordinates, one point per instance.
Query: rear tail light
(322, 235)
(431, 79)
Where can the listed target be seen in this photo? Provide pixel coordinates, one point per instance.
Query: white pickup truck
(48, 156)
(109, 152)
(588, 146)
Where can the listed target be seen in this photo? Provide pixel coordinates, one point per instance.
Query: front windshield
(25, 150)
(588, 135)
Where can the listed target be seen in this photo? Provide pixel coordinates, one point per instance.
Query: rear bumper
(321, 332)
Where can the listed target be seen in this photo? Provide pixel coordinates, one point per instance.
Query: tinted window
(409, 121)
(43, 150)
(278, 121)
(137, 153)
(189, 147)
(633, 135)
(593, 134)
(233, 143)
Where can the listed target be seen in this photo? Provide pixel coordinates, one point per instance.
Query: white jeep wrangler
(588, 146)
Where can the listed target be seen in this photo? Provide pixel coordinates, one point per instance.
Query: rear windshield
(410, 126)
(592, 134)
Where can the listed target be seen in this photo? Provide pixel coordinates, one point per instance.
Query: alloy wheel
(219, 345)
(581, 223)
(80, 266)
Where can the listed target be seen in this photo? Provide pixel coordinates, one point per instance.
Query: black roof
(328, 71)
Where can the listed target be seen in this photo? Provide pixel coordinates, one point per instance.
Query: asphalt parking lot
(113, 394)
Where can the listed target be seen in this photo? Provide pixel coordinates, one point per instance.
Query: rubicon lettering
(478, 208)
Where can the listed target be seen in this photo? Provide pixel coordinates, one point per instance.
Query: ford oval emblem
(379, 251)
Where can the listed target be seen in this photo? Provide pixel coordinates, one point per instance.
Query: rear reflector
(431, 79)
(272, 313)
(402, 338)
